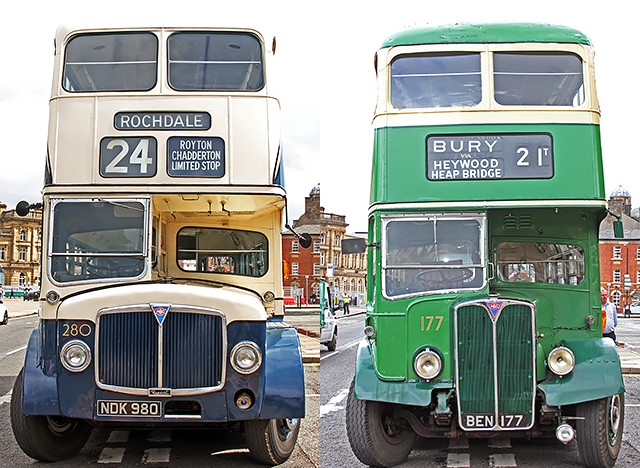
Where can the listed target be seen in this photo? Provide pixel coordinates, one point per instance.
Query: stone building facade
(620, 258)
(324, 258)
(20, 249)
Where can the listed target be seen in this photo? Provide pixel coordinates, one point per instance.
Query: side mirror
(618, 230)
(305, 240)
(22, 208)
(356, 245)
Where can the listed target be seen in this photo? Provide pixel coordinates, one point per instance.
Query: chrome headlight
(246, 357)
(75, 356)
(427, 364)
(561, 360)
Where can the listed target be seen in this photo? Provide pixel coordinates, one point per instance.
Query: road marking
(334, 403)
(118, 437)
(502, 460)
(16, 350)
(157, 455)
(6, 398)
(458, 460)
(341, 348)
(111, 455)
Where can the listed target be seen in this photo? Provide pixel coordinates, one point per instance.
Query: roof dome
(620, 192)
(315, 190)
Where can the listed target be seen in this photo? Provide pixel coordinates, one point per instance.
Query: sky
(322, 73)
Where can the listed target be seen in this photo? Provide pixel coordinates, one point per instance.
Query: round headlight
(427, 364)
(268, 296)
(75, 356)
(561, 360)
(246, 357)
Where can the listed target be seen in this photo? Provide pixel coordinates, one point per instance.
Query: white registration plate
(129, 408)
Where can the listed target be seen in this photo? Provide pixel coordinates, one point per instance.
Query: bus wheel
(46, 438)
(375, 436)
(599, 434)
(271, 441)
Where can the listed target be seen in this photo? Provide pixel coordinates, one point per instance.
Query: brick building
(620, 258)
(324, 259)
(20, 247)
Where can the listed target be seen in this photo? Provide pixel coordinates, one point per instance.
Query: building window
(336, 240)
(616, 276)
(638, 252)
(3, 253)
(316, 269)
(323, 239)
(295, 246)
(316, 247)
(615, 298)
(23, 254)
(617, 251)
(637, 276)
(294, 268)
(322, 258)
(336, 259)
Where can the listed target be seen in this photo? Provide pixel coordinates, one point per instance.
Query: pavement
(307, 321)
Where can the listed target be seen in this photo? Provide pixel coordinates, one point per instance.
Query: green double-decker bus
(487, 192)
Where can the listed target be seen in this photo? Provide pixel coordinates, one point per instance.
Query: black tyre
(5, 318)
(271, 441)
(599, 434)
(334, 341)
(375, 436)
(46, 438)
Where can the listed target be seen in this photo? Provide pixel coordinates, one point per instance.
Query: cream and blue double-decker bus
(163, 206)
(487, 192)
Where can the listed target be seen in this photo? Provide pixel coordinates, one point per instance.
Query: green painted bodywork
(564, 209)
(578, 173)
(487, 33)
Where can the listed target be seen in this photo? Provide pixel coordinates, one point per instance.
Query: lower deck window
(540, 262)
(226, 251)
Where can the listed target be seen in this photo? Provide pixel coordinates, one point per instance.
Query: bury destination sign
(482, 157)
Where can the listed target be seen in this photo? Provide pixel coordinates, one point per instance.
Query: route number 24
(128, 157)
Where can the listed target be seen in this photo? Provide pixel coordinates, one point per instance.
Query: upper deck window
(432, 255)
(215, 62)
(110, 62)
(436, 80)
(538, 79)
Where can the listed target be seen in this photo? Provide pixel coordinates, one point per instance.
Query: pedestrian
(627, 310)
(609, 310)
(346, 301)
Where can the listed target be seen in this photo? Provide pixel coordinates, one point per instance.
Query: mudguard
(597, 374)
(283, 374)
(40, 391)
(368, 385)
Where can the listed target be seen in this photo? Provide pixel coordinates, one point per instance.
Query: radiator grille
(495, 365)
(135, 353)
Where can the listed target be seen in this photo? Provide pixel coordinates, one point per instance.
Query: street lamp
(306, 289)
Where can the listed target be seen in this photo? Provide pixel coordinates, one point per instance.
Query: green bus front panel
(495, 378)
(400, 173)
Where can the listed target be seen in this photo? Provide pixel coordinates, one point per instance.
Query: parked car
(4, 314)
(635, 308)
(328, 322)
